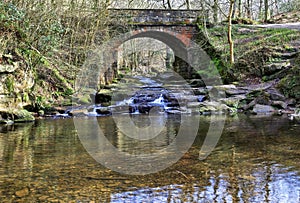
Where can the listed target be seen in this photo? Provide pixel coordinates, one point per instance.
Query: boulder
(193, 104)
(295, 115)
(102, 98)
(103, 110)
(273, 68)
(197, 83)
(17, 116)
(291, 102)
(276, 95)
(263, 109)
(23, 116)
(280, 104)
(235, 91)
(246, 107)
(208, 107)
(200, 91)
(232, 101)
(76, 112)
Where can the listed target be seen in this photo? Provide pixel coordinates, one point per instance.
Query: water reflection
(271, 183)
(256, 160)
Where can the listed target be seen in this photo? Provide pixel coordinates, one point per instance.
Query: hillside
(262, 55)
(291, 17)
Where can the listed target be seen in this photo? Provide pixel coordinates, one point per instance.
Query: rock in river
(261, 109)
(22, 193)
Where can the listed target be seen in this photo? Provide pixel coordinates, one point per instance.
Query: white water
(159, 100)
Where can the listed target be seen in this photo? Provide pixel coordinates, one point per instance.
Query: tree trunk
(234, 10)
(215, 11)
(169, 4)
(277, 7)
(164, 4)
(251, 9)
(248, 9)
(266, 18)
(260, 13)
(230, 41)
(240, 9)
(168, 57)
(188, 5)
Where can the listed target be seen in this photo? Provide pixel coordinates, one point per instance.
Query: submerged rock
(22, 193)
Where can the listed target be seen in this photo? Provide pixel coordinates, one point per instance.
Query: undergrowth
(51, 40)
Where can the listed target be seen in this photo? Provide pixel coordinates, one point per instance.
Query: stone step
(275, 67)
(285, 55)
(278, 75)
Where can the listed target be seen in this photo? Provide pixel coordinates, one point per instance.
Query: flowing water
(256, 160)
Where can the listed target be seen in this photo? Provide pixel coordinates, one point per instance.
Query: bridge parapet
(155, 16)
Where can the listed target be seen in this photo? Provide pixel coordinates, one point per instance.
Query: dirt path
(294, 26)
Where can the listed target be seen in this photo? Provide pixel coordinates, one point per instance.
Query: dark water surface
(257, 159)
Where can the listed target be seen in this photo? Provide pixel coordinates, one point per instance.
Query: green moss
(23, 116)
(10, 84)
(290, 85)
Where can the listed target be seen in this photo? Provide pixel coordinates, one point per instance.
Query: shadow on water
(256, 160)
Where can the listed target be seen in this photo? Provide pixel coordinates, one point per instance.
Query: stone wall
(155, 16)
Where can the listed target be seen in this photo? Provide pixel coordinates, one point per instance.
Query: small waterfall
(201, 98)
(151, 97)
(94, 112)
(125, 102)
(159, 100)
(133, 109)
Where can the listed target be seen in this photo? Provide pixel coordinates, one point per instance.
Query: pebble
(22, 193)
(43, 198)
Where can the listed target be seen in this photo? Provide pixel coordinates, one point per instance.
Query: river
(256, 160)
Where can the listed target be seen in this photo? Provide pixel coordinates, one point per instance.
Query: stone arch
(175, 41)
(102, 64)
(179, 43)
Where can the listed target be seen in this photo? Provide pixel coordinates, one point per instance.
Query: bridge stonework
(155, 16)
(181, 22)
(184, 33)
(175, 28)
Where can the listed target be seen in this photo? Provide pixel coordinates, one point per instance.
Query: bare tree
(229, 35)
(248, 9)
(215, 8)
(188, 4)
(240, 9)
(266, 14)
(234, 10)
(260, 8)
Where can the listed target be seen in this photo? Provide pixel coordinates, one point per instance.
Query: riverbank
(142, 95)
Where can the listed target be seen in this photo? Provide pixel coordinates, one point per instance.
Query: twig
(182, 174)
(105, 178)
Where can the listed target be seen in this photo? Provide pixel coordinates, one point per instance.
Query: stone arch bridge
(176, 28)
